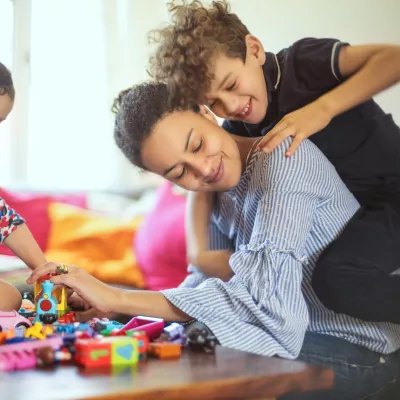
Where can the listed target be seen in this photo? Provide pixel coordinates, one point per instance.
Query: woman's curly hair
(138, 109)
(6, 82)
(186, 48)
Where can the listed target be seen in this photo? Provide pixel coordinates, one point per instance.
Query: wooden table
(229, 374)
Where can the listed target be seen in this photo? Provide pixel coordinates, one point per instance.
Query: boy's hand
(299, 124)
(95, 293)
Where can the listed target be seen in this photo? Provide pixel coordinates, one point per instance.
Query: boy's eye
(231, 86)
(198, 147)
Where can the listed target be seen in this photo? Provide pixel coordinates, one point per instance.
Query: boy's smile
(238, 90)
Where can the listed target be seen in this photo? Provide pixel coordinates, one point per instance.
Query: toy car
(11, 319)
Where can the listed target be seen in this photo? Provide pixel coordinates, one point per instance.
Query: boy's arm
(18, 238)
(198, 214)
(369, 70)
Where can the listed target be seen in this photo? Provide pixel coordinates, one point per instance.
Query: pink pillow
(34, 209)
(160, 244)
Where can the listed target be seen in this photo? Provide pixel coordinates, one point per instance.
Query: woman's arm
(213, 263)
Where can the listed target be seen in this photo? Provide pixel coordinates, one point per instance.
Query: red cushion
(160, 245)
(34, 209)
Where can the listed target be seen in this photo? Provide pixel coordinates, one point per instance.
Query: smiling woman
(202, 153)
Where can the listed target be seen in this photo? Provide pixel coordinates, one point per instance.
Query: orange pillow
(99, 244)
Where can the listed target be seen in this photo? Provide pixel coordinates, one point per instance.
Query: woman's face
(192, 151)
(6, 105)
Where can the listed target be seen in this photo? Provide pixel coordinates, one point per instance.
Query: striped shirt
(281, 216)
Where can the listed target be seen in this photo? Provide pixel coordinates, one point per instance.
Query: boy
(207, 56)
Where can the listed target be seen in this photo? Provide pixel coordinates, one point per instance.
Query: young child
(316, 88)
(13, 231)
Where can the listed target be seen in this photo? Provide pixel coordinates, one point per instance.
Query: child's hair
(6, 82)
(138, 110)
(186, 48)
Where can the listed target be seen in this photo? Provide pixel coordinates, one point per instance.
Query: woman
(277, 215)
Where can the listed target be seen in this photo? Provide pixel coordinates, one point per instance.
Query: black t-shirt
(363, 143)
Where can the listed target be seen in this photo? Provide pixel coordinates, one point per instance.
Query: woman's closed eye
(198, 148)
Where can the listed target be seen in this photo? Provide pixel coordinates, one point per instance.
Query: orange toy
(164, 350)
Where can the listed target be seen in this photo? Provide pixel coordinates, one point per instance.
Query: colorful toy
(165, 350)
(46, 305)
(11, 319)
(103, 352)
(22, 355)
(153, 327)
(59, 294)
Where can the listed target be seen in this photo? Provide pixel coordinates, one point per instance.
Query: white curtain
(81, 54)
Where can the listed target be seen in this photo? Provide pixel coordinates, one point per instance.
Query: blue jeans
(359, 372)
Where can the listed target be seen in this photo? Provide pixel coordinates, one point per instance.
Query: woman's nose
(201, 165)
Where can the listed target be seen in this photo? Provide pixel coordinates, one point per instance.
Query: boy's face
(6, 105)
(192, 151)
(238, 90)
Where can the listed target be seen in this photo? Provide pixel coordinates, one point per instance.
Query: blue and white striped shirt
(281, 216)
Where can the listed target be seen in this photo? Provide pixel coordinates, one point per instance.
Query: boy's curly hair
(138, 109)
(186, 48)
(6, 82)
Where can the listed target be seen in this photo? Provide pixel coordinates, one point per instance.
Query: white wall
(280, 23)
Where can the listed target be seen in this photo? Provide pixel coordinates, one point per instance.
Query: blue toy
(47, 304)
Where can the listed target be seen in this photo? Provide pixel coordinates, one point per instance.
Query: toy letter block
(103, 352)
(124, 350)
(165, 350)
(92, 353)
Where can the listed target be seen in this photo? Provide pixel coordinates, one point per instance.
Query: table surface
(227, 374)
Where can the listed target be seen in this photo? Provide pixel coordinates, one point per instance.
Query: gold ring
(61, 269)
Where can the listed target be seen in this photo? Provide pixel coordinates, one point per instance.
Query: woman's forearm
(142, 302)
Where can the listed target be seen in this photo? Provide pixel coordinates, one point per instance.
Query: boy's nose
(230, 103)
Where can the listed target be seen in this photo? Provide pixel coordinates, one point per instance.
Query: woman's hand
(299, 124)
(89, 291)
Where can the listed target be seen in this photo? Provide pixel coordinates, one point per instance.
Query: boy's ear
(205, 112)
(254, 48)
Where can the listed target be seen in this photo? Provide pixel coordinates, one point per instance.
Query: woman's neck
(245, 146)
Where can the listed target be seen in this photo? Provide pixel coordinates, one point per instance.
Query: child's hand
(95, 293)
(299, 124)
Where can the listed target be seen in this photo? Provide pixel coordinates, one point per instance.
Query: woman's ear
(205, 112)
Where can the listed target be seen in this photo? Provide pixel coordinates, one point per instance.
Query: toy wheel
(23, 326)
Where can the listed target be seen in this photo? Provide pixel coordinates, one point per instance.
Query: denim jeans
(359, 372)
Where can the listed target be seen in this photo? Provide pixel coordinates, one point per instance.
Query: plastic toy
(59, 294)
(153, 327)
(35, 331)
(46, 304)
(143, 342)
(11, 319)
(201, 340)
(22, 355)
(175, 333)
(103, 352)
(165, 350)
